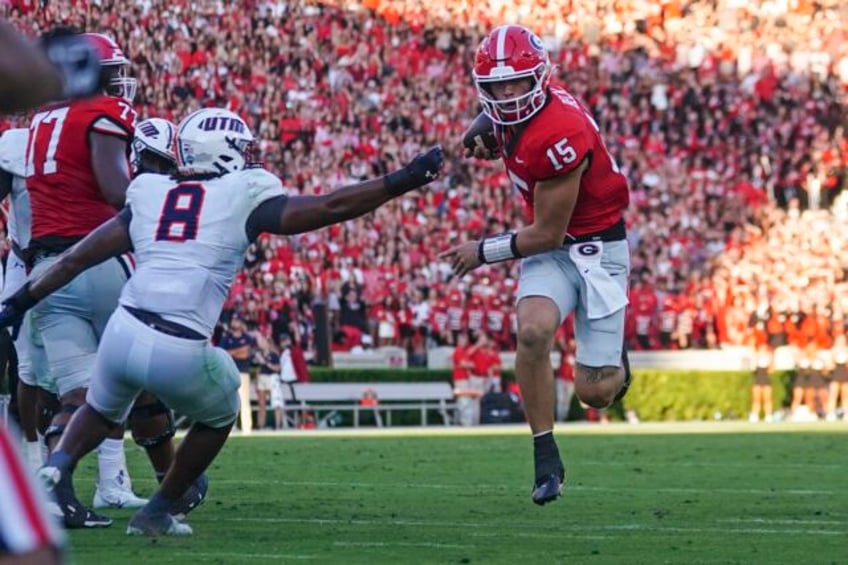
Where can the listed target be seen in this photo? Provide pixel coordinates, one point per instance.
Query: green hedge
(655, 394)
(330, 375)
(697, 395)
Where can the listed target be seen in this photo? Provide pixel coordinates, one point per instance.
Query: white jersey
(13, 160)
(189, 239)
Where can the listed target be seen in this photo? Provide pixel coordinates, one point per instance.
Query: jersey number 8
(181, 213)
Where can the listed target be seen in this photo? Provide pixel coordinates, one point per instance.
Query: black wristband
(23, 299)
(398, 182)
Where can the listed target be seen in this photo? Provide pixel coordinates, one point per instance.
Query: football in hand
(479, 139)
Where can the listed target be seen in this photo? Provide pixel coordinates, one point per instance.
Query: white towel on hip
(604, 295)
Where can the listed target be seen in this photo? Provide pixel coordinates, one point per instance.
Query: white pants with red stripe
(25, 524)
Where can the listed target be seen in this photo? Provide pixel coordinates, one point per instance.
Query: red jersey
(64, 194)
(461, 360)
(555, 142)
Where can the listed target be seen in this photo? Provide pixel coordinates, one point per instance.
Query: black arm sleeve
(125, 215)
(265, 217)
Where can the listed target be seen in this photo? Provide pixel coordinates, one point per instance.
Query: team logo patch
(536, 42)
(222, 123)
(148, 129)
(588, 249)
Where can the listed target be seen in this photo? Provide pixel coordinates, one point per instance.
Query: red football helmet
(508, 53)
(115, 63)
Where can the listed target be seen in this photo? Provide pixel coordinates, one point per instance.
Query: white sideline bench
(331, 398)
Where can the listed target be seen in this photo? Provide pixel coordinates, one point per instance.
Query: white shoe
(117, 498)
(753, 418)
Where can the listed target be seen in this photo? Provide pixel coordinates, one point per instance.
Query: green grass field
(664, 494)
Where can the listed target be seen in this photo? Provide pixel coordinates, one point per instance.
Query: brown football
(480, 133)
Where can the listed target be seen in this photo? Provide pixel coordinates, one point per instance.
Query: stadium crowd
(726, 118)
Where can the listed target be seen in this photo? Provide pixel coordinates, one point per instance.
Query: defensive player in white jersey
(153, 147)
(189, 233)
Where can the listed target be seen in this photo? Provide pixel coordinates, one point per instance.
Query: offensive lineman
(574, 253)
(190, 233)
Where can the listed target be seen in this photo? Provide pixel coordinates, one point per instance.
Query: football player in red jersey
(77, 176)
(576, 255)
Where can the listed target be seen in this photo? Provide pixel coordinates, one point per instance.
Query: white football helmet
(214, 141)
(156, 136)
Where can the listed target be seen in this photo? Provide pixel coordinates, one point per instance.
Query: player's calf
(153, 427)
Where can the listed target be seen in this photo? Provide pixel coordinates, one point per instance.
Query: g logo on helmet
(536, 42)
(589, 249)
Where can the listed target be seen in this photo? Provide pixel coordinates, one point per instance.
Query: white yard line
(240, 556)
(783, 521)
(475, 487)
(431, 545)
(458, 526)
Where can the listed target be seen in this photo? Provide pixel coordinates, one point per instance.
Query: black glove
(424, 169)
(15, 308)
(77, 61)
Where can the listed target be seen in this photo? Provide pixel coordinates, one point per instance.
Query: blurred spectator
(467, 397)
(239, 344)
(761, 390)
(727, 118)
(267, 361)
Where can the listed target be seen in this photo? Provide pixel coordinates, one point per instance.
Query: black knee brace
(149, 411)
(56, 430)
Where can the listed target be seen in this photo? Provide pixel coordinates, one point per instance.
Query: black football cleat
(64, 503)
(548, 487)
(78, 516)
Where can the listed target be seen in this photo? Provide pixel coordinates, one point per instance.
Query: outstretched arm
(109, 240)
(298, 214)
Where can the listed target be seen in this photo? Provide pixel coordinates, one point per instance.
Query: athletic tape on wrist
(497, 248)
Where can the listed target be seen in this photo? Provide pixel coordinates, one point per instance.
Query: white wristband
(501, 247)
